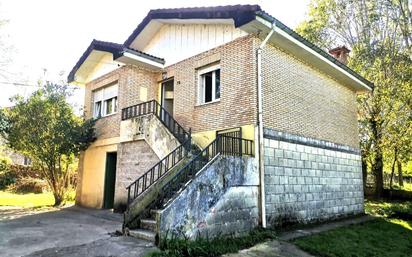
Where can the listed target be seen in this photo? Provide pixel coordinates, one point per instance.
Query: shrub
(201, 246)
(29, 185)
(6, 178)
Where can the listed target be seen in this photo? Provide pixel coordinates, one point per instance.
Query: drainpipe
(260, 127)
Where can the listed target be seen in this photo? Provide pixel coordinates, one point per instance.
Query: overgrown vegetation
(44, 128)
(389, 235)
(176, 247)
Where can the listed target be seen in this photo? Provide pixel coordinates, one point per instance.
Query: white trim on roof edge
(126, 57)
(314, 53)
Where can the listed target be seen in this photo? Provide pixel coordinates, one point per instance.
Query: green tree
(379, 33)
(44, 128)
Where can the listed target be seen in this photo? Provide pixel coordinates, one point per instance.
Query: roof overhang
(107, 53)
(136, 58)
(236, 14)
(291, 42)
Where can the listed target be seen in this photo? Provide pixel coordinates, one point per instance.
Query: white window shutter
(110, 92)
(97, 95)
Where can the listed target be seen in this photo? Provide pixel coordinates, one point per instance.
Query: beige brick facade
(301, 100)
(296, 98)
(132, 82)
(237, 105)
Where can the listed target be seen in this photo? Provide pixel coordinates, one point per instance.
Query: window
(105, 101)
(26, 161)
(209, 84)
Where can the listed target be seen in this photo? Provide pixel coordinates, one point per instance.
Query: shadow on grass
(380, 238)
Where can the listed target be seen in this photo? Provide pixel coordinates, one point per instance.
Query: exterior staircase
(170, 175)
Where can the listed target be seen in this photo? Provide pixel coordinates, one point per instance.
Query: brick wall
(133, 159)
(132, 82)
(301, 100)
(308, 183)
(237, 105)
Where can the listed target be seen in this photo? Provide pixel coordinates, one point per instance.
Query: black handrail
(224, 145)
(156, 172)
(153, 107)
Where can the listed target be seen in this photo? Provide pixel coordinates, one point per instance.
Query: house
(217, 120)
(14, 157)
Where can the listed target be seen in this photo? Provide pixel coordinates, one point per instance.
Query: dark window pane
(97, 109)
(208, 87)
(217, 89)
(109, 106)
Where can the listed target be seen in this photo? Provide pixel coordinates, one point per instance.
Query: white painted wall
(176, 42)
(103, 66)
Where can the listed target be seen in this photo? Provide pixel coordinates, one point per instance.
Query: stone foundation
(222, 199)
(308, 180)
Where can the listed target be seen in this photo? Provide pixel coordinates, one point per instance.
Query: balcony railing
(153, 107)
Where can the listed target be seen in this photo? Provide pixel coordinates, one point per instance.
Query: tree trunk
(58, 199)
(400, 174)
(395, 157)
(364, 173)
(377, 169)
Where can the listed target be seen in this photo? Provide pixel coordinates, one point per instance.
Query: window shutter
(110, 92)
(97, 96)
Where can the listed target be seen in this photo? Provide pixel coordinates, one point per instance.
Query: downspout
(260, 127)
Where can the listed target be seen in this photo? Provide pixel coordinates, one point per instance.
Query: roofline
(116, 49)
(94, 45)
(139, 54)
(241, 14)
(369, 85)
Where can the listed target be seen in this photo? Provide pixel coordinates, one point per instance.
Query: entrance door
(109, 180)
(167, 96)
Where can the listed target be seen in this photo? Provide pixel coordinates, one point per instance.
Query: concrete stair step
(148, 224)
(153, 213)
(143, 234)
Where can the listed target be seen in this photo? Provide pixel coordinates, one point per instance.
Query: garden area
(22, 186)
(390, 234)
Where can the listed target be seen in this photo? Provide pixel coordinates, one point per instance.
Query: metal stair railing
(153, 107)
(150, 177)
(224, 145)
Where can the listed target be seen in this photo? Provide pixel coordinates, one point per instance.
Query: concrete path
(273, 248)
(283, 248)
(72, 231)
(314, 229)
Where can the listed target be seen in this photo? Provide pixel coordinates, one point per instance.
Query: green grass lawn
(29, 200)
(389, 235)
(406, 186)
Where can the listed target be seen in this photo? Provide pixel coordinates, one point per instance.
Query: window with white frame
(209, 84)
(105, 101)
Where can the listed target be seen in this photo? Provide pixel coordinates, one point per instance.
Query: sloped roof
(309, 44)
(241, 14)
(110, 47)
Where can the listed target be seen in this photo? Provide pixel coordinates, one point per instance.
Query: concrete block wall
(308, 180)
(222, 199)
(133, 159)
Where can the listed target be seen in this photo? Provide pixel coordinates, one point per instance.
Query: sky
(47, 37)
